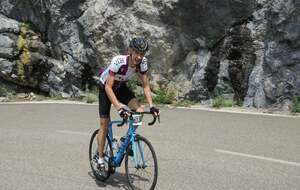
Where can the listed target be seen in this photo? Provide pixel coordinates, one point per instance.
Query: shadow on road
(117, 180)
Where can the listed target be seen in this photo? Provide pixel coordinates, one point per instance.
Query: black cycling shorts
(123, 94)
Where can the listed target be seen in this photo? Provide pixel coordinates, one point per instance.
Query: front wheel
(94, 155)
(142, 173)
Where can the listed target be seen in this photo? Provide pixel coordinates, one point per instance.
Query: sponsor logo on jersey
(119, 61)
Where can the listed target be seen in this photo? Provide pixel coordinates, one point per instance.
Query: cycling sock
(100, 160)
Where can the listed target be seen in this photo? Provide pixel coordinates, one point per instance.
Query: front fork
(139, 163)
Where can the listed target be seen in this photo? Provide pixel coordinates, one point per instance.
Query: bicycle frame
(133, 147)
(130, 137)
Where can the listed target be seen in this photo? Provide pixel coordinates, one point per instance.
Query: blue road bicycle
(140, 159)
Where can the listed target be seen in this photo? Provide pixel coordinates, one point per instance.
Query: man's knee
(104, 122)
(133, 104)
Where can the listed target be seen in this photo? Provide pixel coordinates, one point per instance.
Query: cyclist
(113, 89)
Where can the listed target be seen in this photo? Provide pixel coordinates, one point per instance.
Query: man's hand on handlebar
(154, 111)
(124, 113)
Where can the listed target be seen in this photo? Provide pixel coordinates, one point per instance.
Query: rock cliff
(247, 50)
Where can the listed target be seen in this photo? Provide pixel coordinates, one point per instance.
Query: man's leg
(104, 113)
(102, 135)
(127, 97)
(133, 104)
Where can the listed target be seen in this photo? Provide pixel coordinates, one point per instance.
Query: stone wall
(245, 50)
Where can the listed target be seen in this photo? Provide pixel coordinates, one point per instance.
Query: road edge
(195, 107)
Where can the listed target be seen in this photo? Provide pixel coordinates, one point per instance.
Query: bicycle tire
(136, 170)
(93, 151)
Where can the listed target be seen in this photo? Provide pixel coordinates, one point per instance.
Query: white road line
(258, 157)
(73, 133)
(239, 112)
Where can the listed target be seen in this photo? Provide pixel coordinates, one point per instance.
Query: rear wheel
(143, 173)
(94, 155)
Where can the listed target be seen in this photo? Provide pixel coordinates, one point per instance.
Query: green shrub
(21, 42)
(133, 83)
(164, 97)
(94, 90)
(91, 98)
(25, 57)
(141, 98)
(3, 91)
(185, 103)
(20, 70)
(296, 104)
(220, 101)
(57, 97)
(92, 95)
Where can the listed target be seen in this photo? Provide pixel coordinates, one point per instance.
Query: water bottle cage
(115, 145)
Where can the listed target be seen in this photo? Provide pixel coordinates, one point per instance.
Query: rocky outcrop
(275, 80)
(52, 57)
(245, 50)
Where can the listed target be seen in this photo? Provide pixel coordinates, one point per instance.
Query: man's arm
(110, 93)
(146, 87)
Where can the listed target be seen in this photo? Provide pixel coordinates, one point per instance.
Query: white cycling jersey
(119, 67)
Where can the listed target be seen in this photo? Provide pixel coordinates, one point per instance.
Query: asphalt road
(45, 147)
